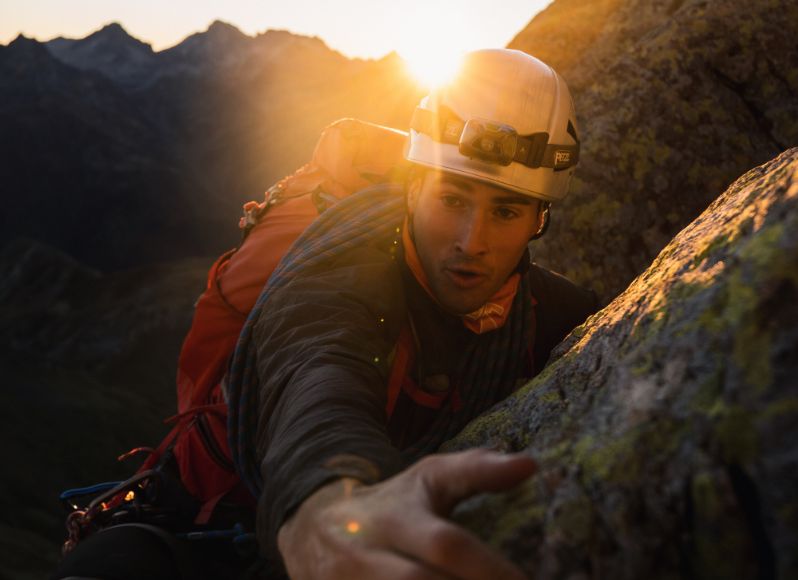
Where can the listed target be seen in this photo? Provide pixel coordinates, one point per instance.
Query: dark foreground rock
(666, 427)
(88, 366)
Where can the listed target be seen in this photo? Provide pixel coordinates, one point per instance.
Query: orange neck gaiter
(492, 315)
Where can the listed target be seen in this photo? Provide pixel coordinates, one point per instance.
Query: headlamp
(496, 142)
(488, 141)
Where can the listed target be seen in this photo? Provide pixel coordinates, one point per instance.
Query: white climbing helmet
(506, 119)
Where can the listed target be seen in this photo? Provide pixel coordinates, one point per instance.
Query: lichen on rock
(665, 426)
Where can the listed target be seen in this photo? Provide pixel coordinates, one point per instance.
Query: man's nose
(472, 239)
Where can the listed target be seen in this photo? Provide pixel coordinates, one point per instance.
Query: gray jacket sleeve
(323, 341)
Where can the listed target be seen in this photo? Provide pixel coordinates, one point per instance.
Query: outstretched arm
(398, 528)
(323, 342)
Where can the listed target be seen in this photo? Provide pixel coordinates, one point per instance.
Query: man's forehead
(497, 194)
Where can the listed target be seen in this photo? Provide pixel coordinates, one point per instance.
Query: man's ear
(541, 216)
(543, 220)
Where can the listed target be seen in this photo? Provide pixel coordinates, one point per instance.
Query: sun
(435, 40)
(435, 69)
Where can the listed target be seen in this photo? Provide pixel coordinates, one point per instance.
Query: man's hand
(397, 528)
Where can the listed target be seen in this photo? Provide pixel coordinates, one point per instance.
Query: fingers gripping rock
(346, 528)
(451, 478)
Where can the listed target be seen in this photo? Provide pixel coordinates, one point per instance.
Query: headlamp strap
(445, 127)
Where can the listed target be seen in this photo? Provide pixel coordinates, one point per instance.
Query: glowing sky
(364, 28)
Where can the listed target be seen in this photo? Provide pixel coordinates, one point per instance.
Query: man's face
(469, 236)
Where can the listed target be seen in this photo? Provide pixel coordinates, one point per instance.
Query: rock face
(666, 426)
(675, 100)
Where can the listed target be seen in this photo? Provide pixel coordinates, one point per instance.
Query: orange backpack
(350, 155)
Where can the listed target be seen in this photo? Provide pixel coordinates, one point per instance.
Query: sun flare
(431, 70)
(436, 41)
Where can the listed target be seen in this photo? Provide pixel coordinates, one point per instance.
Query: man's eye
(451, 201)
(506, 213)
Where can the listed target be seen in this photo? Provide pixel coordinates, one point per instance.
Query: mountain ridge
(134, 64)
(111, 51)
(162, 159)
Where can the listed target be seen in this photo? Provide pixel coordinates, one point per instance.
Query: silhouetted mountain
(111, 51)
(86, 167)
(221, 44)
(153, 161)
(133, 64)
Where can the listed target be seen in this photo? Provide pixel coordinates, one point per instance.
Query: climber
(404, 311)
(453, 287)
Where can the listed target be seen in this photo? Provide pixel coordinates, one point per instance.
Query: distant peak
(22, 39)
(279, 35)
(29, 50)
(278, 32)
(113, 29)
(115, 34)
(392, 56)
(22, 42)
(220, 27)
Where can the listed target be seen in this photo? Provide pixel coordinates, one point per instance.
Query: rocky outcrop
(665, 428)
(675, 100)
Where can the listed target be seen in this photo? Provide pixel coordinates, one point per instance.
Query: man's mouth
(465, 278)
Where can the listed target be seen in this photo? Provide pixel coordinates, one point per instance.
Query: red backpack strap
(404, 354)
